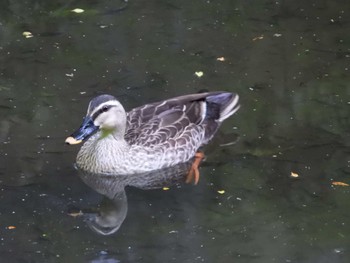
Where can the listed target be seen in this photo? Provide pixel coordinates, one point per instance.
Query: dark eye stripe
(103, 109)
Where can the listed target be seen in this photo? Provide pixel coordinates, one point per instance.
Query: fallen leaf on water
(221, 192)
(258, 38)
(27, 34)
(75, 214)
(340, 184)
(277, 35)
(166, 188)
(11, 227)
(295, 175)
(220, 59)
(199, 73)
(78, 10)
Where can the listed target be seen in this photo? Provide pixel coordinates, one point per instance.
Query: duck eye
(105, 108)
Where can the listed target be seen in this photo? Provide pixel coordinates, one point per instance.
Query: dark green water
(288, 61)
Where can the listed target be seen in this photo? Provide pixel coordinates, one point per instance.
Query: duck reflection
(111, 213)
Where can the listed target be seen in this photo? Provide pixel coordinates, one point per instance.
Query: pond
(274, 183)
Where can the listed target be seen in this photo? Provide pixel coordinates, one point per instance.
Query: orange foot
(193, 173)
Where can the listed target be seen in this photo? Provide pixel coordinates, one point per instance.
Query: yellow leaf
(221, 192)
(11, 227)
(78, 10)
(27, 34)
(166, 188)
(199, 73)
(340, 184)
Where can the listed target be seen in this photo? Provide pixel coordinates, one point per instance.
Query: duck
(150, 137)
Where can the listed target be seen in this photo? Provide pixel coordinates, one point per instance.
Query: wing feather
(159, 122)
(180, 121)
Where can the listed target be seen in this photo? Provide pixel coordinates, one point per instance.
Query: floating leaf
(220, 59)
(76, 214)
(27, 34)
(166, 188)
(258, 38)
(199, 74)
(221, 192)
(78, 10)
(295, 175)
(11, 227)
(340, 184)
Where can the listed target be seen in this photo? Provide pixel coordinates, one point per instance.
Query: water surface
(288, 61)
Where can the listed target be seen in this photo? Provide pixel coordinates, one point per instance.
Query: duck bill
(86, 129)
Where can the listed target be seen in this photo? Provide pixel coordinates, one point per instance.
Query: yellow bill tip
(70, 140)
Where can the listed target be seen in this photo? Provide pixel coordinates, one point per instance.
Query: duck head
(106, 114)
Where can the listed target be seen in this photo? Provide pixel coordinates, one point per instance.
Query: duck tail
(221, 106)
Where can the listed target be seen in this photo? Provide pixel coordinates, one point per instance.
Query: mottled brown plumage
(149, 137)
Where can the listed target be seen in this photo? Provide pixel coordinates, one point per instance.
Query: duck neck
(118, 134)
(117, 131)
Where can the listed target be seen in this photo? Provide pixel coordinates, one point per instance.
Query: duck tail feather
(221, 106)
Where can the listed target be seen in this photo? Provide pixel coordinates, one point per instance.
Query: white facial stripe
(107, 103)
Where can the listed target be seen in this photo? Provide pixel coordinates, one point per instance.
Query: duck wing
(191, 119)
